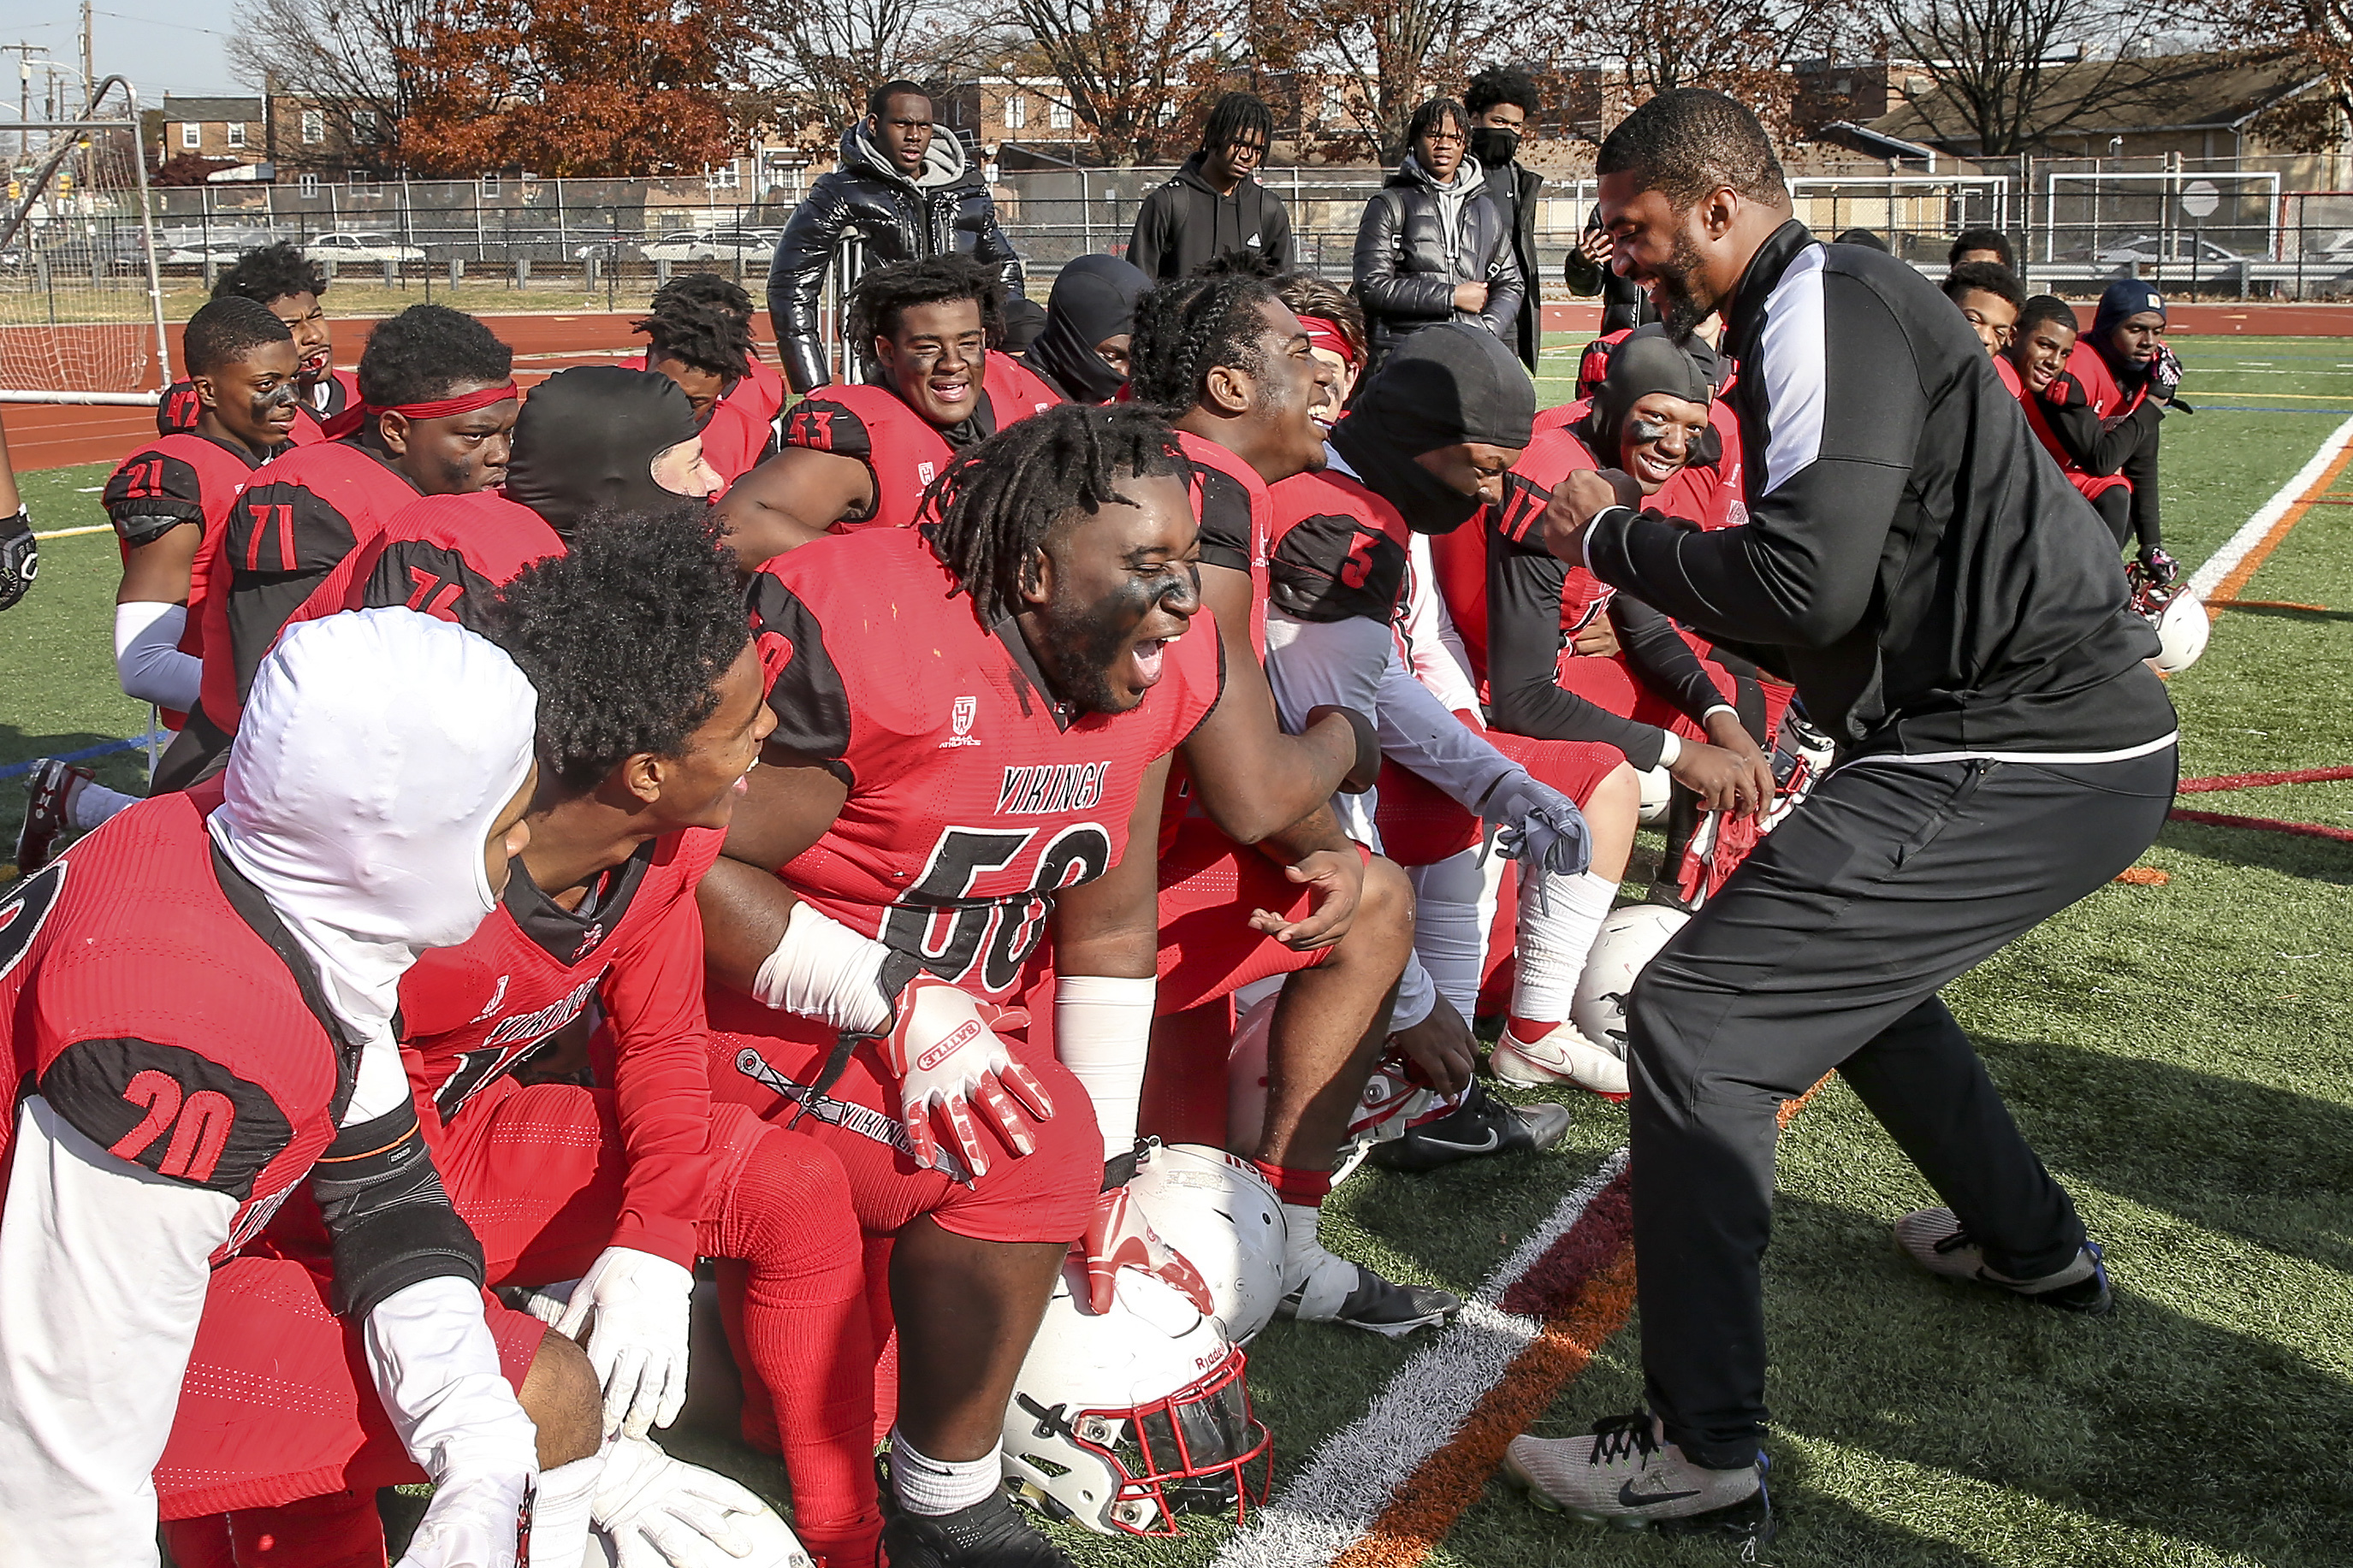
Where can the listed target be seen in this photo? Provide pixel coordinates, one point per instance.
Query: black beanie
(587, 440)
(1446, 383)
(1639, 367)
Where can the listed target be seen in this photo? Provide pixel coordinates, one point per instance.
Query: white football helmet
(1118, 1421)
(1802, 754)
(1216, 1210)
(1388, 1100)
(1630, 939)
(1658, 790)
(2183, 627)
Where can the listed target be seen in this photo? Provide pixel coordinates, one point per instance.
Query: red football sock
(1292, 1186)
(804, 1335)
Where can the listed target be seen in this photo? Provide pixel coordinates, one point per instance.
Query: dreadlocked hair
(273, 272)
(1187, 325)
(1001, 501)
(625, 636)
(1308, 295)
(886, 293)
(714, 287)
(1235, 117)
(702, 332)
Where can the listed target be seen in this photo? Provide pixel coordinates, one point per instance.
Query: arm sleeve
(1839, 424)
(1420, 733)
(282, 542)
(1382, 283)
(1523, 656)
(1433, 648)
(662, 1084)
(436, 1368)
(147, 659)
(2096, 450)
(1664, 661)
(103, 1267)
(797, 279)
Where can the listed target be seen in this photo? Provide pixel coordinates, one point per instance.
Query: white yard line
(2251, 533)
(1330, 1504)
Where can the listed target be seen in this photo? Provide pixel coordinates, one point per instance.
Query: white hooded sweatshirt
(375, 755)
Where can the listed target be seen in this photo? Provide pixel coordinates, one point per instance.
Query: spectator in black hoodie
(1502, 100)
(1214, 205)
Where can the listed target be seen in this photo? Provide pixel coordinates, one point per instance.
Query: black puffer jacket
(944, 208)
(1406, 272)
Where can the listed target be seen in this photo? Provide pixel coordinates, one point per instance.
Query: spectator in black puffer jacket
(1431, 247)
(906, 194)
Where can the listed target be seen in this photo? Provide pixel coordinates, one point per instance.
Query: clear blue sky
(163, 46)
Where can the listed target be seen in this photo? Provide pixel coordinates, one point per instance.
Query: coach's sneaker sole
(1481, 1125)
(1625, 1476)
(1564, 1056)
(49, 800)
(1937, 1241)
(1349, 1294)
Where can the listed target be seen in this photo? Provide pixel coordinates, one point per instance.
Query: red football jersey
(2076, 392)
(169, 481)
(975, 795)
(1338, 549)
(152, 997)
(470, 1014)
(446, 555)
(1237, 517)
(901, 449)
(287, 531)
(734, 439)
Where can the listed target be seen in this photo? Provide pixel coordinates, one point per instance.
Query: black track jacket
(1935, 584)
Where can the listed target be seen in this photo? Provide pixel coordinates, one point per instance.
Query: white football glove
(642, 1305)
(474, 1522)
(945, 1054)
(660, 1513)
(1540, 827)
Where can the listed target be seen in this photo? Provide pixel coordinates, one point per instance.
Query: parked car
(747, 245)
(2173, 250)
(223, 247)
(120, 249)
(361, 246)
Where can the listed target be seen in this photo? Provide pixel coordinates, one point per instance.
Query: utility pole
(88, 66)
(24, 53)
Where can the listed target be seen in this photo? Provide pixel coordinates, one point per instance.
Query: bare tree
(1743, 48)
(1125, 65)
(2002, 77)
(1392, 54)
(353, 58)
(821, 56)
(2312, 40)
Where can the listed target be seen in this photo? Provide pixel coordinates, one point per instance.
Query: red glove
(947, 1057)
(1118, 1237)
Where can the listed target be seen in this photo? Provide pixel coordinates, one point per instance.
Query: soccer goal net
(80, 305)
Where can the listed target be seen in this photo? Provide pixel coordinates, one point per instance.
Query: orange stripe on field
(1433, 1498)
(2228, 588)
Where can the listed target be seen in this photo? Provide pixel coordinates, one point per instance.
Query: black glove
(2163, 375)
(20, 558)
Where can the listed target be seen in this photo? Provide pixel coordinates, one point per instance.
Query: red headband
(1324, 332)
(464, 403)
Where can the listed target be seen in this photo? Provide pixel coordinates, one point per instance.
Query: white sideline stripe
(1330, 1504)
(2204, 581)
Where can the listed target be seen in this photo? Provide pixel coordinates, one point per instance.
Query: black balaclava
(587, 439)
(1639, 366)
(1447, 383)
(1093, 298)
(2125, 296)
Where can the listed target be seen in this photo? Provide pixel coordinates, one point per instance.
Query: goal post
(81, 299)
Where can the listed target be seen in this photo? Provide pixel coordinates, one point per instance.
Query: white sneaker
(1624, 1474)
(1565, 1055)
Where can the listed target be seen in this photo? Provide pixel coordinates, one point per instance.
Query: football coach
(1954, 615)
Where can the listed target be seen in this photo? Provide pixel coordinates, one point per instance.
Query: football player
(855, 456)
(1990, 298)
(442, 404)
(292, 286)
(197, 1000)
(2103, 408)
(973, 726)
(2039, 354)
(169, 501)
(703, 343)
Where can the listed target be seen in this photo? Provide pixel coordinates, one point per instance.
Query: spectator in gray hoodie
(1431, 247)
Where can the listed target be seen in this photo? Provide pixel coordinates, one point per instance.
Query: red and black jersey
(2086, 382)
(975, 795)
(291, 527)
(1236, 519)
(470, 1014)
(1339, 551)
(1593, 364)
(1503, 547)
(173, 480)
(329, 413)
(2038, 419)
(734, 439)
(760, 395)
(445, 556)
(903, 451)
(153, 998)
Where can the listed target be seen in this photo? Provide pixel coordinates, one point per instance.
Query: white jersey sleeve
(104, 1267)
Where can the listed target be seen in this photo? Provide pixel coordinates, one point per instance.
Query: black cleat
(1482, 1124)
(991, 1533)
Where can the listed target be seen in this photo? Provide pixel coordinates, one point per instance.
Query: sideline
(2228, 569)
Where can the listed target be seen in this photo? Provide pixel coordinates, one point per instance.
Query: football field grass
(2179, 1053)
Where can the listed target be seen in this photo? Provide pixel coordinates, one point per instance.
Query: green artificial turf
(2179, 1054)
